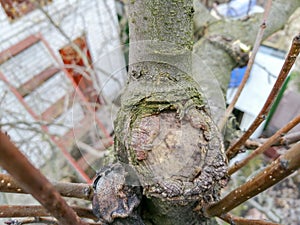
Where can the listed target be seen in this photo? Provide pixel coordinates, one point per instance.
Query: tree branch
(241, 221)
(202, 18)
(286, 140)
(33, 182)
(278, 170)
(246, 29)
(11, 211)
(265, 146)
(40, 220)
(288, 63)
(266, 210)
(289, 139)
(217, 59)
(250, 64)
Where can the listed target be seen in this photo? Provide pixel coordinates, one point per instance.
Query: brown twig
(285, 140)
(250, 63)
(34, 183)
(289, 138)
(242, 221)
(39, 220)
(253, 144)
(11, 211)
(278, 170)
(74, 190)
(288, 63)
(265, 145)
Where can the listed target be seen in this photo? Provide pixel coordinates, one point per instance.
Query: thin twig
(95, 152)
(83, 56)
(257, 43)
(286, 140)
(73, 190)
(242, 221)
(215, 8)
(11, 211)
(278, 170)
(266, 210)
(39, 220)
(288, 63)
(253, 144)
(3, 96)
(289, 139)
(35, 183)
(265, 146)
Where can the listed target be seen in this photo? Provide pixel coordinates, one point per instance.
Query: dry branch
(250, 64)
(289, 62)
(289, 139)
(33, 182)
(285, 140)
(74, 190)
(278, 170)
(39, 220)
(8, 211)
(265, 146)
(242, 221)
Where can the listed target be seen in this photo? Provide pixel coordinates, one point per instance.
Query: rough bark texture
(164, 129)
(117, 195)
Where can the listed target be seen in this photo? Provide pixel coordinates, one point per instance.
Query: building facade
(61, 63)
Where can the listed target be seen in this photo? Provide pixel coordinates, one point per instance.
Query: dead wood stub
(117, 195)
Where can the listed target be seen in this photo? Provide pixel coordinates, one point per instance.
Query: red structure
(80, 84)
(75, 61)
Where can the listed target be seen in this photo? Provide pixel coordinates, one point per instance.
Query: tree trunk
(164, 129)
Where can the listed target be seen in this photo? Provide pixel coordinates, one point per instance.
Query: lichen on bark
(164, 129)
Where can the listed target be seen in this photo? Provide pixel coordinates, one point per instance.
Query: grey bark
(164, 129)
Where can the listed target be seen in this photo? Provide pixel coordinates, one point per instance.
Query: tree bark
(218, 58)
(164, 129)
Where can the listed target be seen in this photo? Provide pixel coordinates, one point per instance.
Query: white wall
(97, 20)
(266, 68)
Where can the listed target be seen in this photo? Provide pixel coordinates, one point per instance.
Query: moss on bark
(164, 129)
